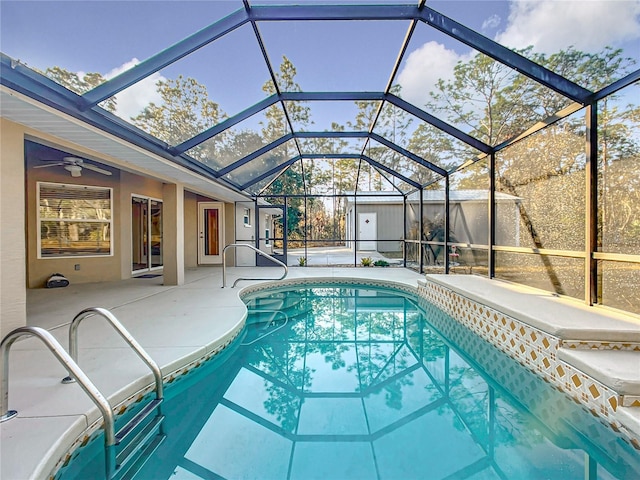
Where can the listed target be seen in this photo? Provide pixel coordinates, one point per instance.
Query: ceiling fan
(74, 166)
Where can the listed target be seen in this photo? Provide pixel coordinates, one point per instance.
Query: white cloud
(552, 25)
(491, 23)
(131, 101)
(424, 67)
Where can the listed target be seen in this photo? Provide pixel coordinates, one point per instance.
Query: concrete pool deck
(178, 325)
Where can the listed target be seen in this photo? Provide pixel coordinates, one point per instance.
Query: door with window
(273, 235)
(210, 232)
(146, 234)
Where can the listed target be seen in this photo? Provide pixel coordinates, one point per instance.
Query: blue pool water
(348, 382)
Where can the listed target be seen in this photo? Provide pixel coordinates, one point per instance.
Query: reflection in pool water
(354, 382)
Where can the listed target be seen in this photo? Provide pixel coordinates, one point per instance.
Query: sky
(110, 36)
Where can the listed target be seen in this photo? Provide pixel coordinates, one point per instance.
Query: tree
(392, 124)
(299, 114)
(185, 111)
(276, 126)
(80, 84)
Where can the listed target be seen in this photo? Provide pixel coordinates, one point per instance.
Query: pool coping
(80, 431)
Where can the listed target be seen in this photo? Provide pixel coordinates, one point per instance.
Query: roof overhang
(41, 119)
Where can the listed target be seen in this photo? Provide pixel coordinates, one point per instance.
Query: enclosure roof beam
(436, 20)
(276, 13)
(329, 96)
(270, 172)
(439, 124)
(332, 96)
(377, 138)
(266, 103)
(224, 125)
(355, 156)
(505, 56)
(617, 85)
(166, 57)
(373, 136)
(331, 134)
(408, 154)
(274, 78)
(255, 154)
(390, 171)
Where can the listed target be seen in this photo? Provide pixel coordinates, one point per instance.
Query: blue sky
(110, 36)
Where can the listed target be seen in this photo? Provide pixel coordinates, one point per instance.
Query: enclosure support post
(591, 210)
(421, 233)
(491, 256)
(355, 228)
(404, 231)
(256, 220)
(306, 233)
(446, 224)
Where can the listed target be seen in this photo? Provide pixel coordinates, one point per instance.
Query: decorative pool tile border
(321, 281)
(533, 348)
(529, 388)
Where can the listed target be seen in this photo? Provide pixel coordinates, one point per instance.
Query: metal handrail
(103, 312)
(259, 252)
(68, 362)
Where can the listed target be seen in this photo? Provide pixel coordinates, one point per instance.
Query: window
(246, 218)
(74, 220)
(267, 231)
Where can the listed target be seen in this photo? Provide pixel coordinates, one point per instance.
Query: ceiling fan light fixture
(75, 170)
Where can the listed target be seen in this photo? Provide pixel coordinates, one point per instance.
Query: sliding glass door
(146, 234)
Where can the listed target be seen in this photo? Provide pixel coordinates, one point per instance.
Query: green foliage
(80, 84)
(184, 112)
(380, 263)
(366, 261)
(302, 261)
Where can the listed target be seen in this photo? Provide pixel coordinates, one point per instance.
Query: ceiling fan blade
(88, 166)
(49, 165)
(73, 160)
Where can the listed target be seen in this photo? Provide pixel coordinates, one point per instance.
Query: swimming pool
(348, 381)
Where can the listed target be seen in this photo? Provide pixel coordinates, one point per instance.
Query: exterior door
(210, 232)
(273, 236)
(146, 234)
(367, 231)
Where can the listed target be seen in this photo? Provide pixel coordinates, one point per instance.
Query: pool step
(618, 370)
(128, 471)
(131, 425)
(280, 301)
(137, 440)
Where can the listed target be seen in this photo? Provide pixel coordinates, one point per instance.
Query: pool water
(353, 382)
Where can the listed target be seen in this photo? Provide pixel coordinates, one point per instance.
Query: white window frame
(267, 230)
(246, 217)
(39, 220)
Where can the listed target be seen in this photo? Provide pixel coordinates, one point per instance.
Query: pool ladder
(129, 448)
